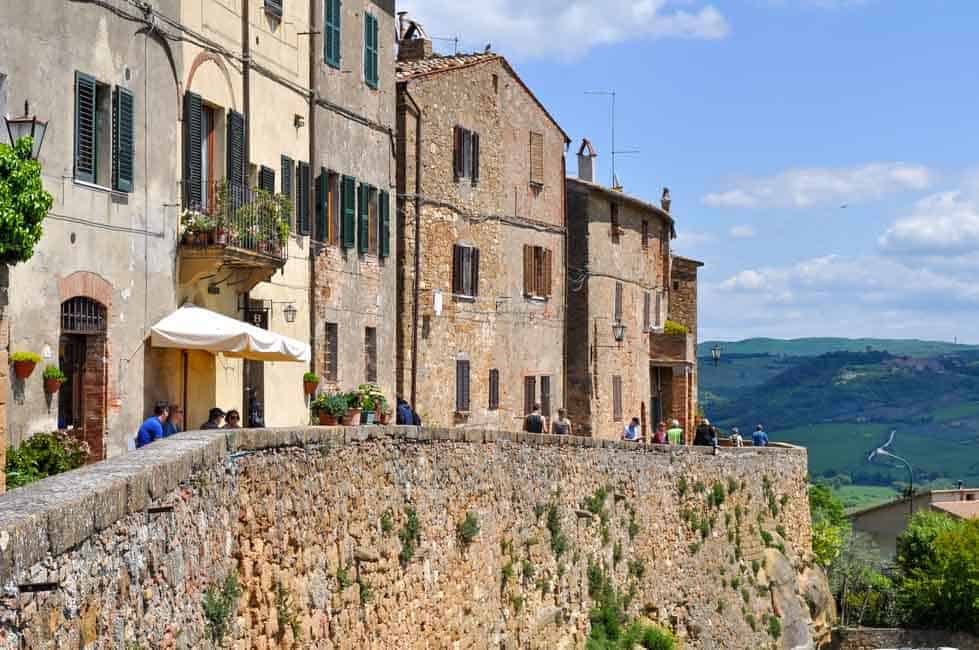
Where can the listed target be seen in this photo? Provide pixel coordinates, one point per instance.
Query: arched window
(81, 315)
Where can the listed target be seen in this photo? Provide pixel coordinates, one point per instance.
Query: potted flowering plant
(329, 408)
(53, 378)
(311, 382)
(352, 415)
(24, 363)
(371, 397)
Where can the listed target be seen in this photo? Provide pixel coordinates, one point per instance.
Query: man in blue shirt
(759, 438)
(174, 422)
(152, 428)
(631, 432)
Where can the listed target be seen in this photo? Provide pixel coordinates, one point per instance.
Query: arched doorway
(81, 356)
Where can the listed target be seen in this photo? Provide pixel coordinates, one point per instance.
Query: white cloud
(941, 224)
(742, 232)
(691, 238)
(567, 30)
(807, 187)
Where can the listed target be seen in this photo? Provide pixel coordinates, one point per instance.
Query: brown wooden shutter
(618, 302)
(545, 395)
(462, 386)
(647, 303)
(331, 351)
(457, 152)
(548, 286)
(536, 158)
(529, 394)
(494, 389)
(616, 397)
(474, 278)
(457, 285)
(475, 155)
(528, 270)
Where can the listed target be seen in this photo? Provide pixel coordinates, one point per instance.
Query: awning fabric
(195, 328)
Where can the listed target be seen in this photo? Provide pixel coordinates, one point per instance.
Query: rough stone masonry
(355, 538)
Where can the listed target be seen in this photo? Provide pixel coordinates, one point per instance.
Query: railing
(219, 214)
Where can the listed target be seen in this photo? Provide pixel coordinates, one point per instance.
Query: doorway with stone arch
(82, 358)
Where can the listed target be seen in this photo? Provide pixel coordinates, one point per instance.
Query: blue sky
(765, 118)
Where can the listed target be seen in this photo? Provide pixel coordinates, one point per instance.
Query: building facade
(481, 240)
(352, 240)
(102, 274)
(624, 285)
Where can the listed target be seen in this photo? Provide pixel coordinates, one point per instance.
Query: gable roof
(437, 63)
(622, 197)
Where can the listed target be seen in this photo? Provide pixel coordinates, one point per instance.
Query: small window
(331, 35)
(617, 306)
(93, 130)
(465, 154)
(536, 159)
(617, 398)
(371, 48)
(494, 389)
(545, 395)
(370, 354)
(462, 386)
(647, 306)
(465, 271)
(331, 347)
(537, 271)
(645, 234)
(529, 394)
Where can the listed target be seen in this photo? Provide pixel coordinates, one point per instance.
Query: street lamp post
(27, 126)
(882, 451)
(715, 352)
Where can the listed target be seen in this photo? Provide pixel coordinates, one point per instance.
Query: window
(614, 222)
(646, 311)
(266, 179)
(465, 154)
(208, 118)
(331, 35)
(462, 385)
(286, 184)
(348, 201)
(333, 209)
(302, 197)
(645, 234)
(331, 351)
(365, 210)
(322, 230)
(494, 389)
(373, 223)
(370, 354)
(104, 139)
(529, 394)
(274, 8)
(384, 209)
(659, 309)
(537, 271)
(617, 398)
(370, 50)
(617, 304)
(536, 159)
(545, 395)
(465, 270)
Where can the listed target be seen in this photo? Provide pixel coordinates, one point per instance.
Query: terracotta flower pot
(327, 420)
(51, 386)
(383, 418)
(23, 369)
(309, 387)
(188, 238)
(351, 418)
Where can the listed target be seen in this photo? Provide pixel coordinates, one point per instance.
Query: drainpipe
(311, 207)
(417, 262)
(246, 85)
(564, 254)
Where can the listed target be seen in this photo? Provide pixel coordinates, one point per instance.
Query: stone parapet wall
(867, 638)
(312, 523)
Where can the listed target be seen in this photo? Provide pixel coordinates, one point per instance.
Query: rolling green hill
(817, 346)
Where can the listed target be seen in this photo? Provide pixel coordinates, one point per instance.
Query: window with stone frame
(331, 345)
(537, 270)
(462, 386)
(465, 270)
(617, 398)
(465, 154)
(370, 354)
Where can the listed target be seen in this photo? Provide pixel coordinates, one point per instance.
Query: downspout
(416, 262)
(311, 207)
(246, 85)
(564, 255)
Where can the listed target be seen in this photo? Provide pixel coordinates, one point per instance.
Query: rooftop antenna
(615, 152)
(450, 39)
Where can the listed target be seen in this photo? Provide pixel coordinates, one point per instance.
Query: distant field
(816, 346)
(833, 446)
(857, 497)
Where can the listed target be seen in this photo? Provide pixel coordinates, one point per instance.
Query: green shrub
(286, 613)
(366, 593)
(750, 620)
(559, 543)
(517, 603)
(774, 627)
(673, 328)
(527, 571)
(468, 529)
(538, 511)
(387, 522)
(506, 573)
(755, 567)
(220, 605)
(410, 535)
(732, 485)
(699, 487)
(766, 538)
(637, 568)
(595, 503)
(616, 553)
(681, 486)
(43, 455)
(23, 202)
(53, 372)
(24, 356)
(343, 578)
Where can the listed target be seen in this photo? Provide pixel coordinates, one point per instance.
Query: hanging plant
(311, 382)
(53, 378)
(24, 363)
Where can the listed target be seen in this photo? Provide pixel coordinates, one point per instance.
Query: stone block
(472, 435)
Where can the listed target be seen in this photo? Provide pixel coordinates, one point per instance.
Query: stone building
(624, 285)
(481, 240)
(352, 242)
(102, 273)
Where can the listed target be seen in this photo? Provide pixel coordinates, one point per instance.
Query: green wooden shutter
(331, 35)
(348, 226)
(370, 50)
(385, 205)
(86, 148)
(286, 183)
(122, 140)
(322, 187)
(193, 148)
(236, 152)
(302, 184)
(266, 179)
(363, 220)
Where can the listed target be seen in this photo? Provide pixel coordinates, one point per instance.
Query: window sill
(540, 299)
(96, 187)
(461, 297)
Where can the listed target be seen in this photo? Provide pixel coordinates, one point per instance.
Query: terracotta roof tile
(440, 63)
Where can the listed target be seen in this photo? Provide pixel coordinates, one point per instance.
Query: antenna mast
(611, 94)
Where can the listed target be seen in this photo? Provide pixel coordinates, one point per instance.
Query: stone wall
(315, 524)
(865, 638)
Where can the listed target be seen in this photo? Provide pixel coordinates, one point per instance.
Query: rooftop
(642, 204)
(960, 509)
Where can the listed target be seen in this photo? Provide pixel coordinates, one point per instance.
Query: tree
(915, 546)
(23, 202)
(830, 527)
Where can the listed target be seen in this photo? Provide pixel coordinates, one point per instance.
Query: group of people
(661, 436)
(537, 423)
(706, 434)
(168, 419)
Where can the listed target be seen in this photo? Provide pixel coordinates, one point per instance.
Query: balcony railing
(237, 217)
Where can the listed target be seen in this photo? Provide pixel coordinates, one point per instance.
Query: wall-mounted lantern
(27, 126)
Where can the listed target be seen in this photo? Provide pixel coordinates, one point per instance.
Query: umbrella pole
(186, 405)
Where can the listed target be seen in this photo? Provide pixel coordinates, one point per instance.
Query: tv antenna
(449, 39)
(615, 152)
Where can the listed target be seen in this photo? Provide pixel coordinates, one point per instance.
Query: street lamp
(882, 451)
(715, 352)
(618, 331)
(290, 313)
(27, 126)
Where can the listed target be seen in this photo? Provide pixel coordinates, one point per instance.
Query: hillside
(818, 346)
(842, 404)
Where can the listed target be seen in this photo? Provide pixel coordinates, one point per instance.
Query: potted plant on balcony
(311, 382)
(673, 328)
(370, 398)
(329, 408)
(53, 378)
(24, 363)
(352, 415)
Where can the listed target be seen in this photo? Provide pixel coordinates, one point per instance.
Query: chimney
(586, 161)
(666, 201)
(414, 44)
